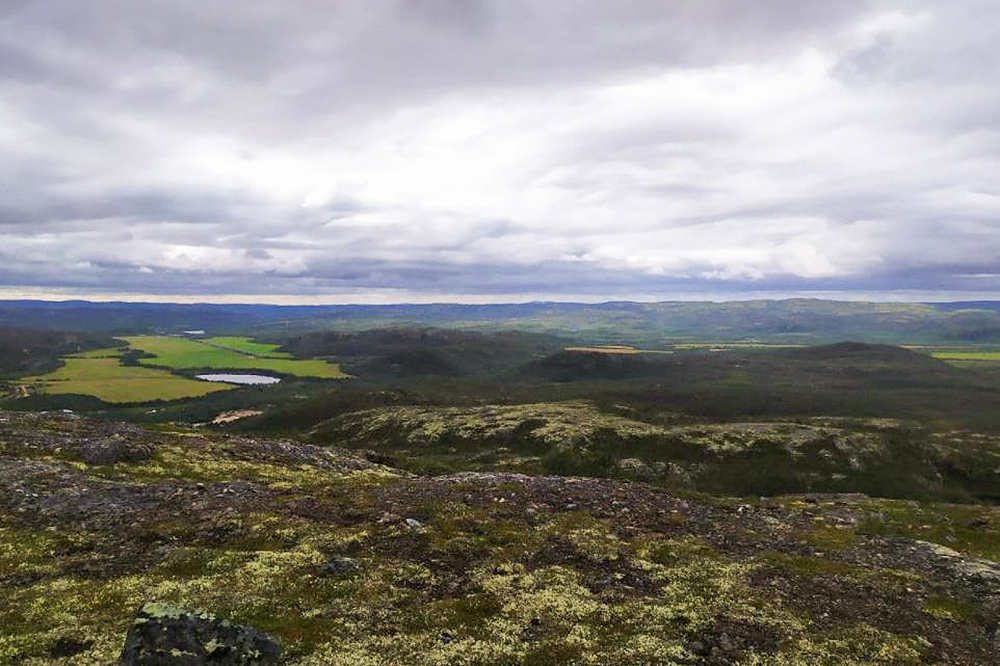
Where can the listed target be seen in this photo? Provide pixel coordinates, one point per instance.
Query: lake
(240, 379)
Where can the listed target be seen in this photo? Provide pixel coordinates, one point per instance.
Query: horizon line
(283, 300)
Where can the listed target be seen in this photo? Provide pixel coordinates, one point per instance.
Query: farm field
(183, 353)
(108, 380)
(112, 352)
(682, 346)
(734, 345)
(993, 356)
(245, 346)
(605, 349)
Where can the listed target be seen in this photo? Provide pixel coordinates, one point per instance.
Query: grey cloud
(384, 41)
(257, 253)
(499, 146)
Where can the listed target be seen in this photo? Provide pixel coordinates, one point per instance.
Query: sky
(499, 150)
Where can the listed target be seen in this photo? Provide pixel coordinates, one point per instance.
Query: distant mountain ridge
(792, 321)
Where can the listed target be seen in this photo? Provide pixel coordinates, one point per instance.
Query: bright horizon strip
(400, 297)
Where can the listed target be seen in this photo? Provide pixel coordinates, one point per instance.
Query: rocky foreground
(345, 562)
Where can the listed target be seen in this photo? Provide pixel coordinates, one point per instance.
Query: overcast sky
(394, 150)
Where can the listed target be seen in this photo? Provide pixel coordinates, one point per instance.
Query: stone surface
(109, 451)
(635, 467)
(340, 567)
(983, 570)
(164, 635)
(68, 647)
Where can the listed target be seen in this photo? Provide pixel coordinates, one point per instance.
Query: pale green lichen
(479, 585)
(950, 608)
(156, 609)
(860, 645)
(577, 423)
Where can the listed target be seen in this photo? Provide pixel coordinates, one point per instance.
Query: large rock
(113, 450)
(985, 571)
(340, 567)
(635, 468)
(164, 635)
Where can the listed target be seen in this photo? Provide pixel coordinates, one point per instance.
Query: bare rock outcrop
(164, 635)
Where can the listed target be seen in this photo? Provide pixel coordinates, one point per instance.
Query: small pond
(240, 379)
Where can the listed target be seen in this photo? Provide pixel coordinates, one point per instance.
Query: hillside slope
(820, 454)
(353, 563)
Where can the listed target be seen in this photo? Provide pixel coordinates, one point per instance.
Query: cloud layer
(499, 147)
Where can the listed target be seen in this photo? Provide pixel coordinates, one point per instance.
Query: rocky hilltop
(347, 562)
(887, 457)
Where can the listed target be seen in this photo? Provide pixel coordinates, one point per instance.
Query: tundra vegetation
(352, 562)
(482, 497)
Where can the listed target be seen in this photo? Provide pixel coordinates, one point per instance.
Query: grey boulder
(164, 635)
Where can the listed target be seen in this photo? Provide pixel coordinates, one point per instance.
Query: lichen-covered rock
(976, 569)
(340, 567)
(108, 451)
(164, 635)
(68, 647)
(635, 468)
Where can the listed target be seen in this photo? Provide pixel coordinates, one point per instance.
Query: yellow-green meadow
(105, 378)
(187, 353)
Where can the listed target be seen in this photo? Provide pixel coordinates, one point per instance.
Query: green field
(184, 353)
(108, 380)
(605, 349)
(112, 352)
(992, 356)
(245, 346)
(733, 345)
(968, 355)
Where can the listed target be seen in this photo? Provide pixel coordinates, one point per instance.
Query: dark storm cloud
(499, 147)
